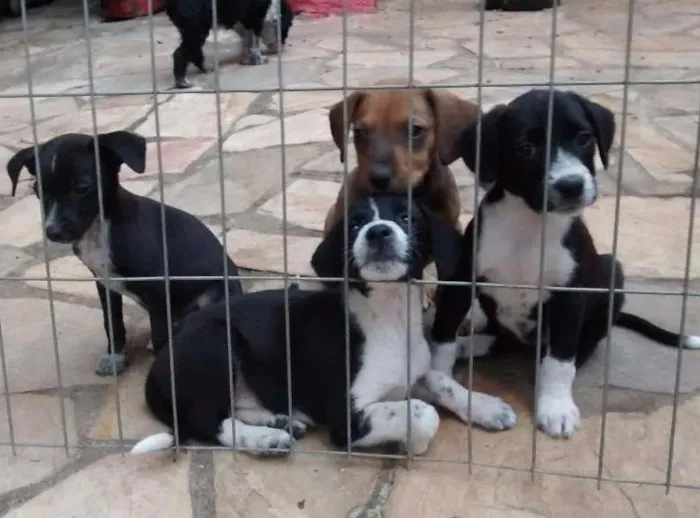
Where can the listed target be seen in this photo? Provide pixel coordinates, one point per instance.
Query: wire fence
(685, 292)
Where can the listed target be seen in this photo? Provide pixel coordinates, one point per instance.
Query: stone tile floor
(94, 479)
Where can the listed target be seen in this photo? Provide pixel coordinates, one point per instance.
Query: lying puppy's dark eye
(526, 150)
(355, 227)
(584, 139)
(404, 219)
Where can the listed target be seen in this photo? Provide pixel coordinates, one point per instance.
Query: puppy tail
(658, 334)
(155, 442)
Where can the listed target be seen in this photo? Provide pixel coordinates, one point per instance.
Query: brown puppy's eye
(416, 132)
(584, 139)
(526, 150)
(360, 132)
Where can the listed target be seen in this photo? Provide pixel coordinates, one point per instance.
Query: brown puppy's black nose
(380, 177)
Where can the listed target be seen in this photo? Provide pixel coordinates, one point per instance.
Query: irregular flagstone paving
(83, 473)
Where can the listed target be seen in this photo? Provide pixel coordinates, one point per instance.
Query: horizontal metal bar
(533, 84)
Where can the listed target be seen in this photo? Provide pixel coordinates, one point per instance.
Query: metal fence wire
(685, 293)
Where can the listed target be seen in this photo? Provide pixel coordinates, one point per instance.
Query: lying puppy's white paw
(557, 416)
(491, 412)
(425, 422)
(272, 442)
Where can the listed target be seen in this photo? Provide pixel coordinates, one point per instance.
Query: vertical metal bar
(540, 279)
(475, 211)
(6, 387)
(285, 247)
(224, 240)
(104, 235)
(44, 241)
(684, 312)
(346, 280)
(163, 228)
(409, 281)
(618, 194)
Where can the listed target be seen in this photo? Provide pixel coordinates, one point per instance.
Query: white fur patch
(566, 164)
(557, 414)
(478, 345)
(691, 342)
(258, 440)
(155, 442)
(383, 318)
(388, 421)
(509, 253)
(94, 253)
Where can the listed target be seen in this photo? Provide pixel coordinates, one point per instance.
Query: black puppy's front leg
(452, 302)
(114, 362)
(557, 414)
(252, 50)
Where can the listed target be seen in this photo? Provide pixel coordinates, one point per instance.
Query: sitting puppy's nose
(53, 231)
(377, 234)
(570, 187)
(380, 177)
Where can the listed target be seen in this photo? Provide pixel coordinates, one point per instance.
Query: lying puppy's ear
(603, 122)
(335, 118)
(445, 243)
(127, 147)
(329, 256)
(490, 132)
(24, 158)
(452, 114)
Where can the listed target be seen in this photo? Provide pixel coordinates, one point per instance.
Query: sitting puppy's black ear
(445, 243)
(602, 121)
(127, 147)
(328, 259)
(24, 158)
(489, 159)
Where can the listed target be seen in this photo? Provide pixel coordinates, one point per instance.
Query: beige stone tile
(36, 420)
(330, 161)
(303, 485)
(137, 421)
(21, 223)
(302, 128)
(504, 48)
(308, 202)
(140, 187)
(176, 156)
(252, 120)
(421, 58)
(138, 486)
(301, 101)
(663, 222)
(29, 466)
(195, 115)
(684, 128)
(30, 355)
(258, 251)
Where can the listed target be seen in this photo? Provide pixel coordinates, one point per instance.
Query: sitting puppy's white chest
(383, 318)
(509, 252)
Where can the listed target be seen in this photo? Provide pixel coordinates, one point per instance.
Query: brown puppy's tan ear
(453, 114)
(335, 117)
(24, 158)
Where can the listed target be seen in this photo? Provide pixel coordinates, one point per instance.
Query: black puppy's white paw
(111, 364)
(181, 83)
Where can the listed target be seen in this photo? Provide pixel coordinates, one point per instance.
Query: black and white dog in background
(130, 242)
(513, 157)
(380, 248)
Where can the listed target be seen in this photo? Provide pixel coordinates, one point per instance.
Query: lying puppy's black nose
(54, 232)
(378, 233)
(570, 187)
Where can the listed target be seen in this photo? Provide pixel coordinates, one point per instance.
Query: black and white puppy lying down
(513, 155)
(130, 244)
(252, 20)
(379, 249)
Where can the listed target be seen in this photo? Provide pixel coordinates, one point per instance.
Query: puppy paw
(492, 413)
(295, 427)
(557, 417)
(273, 442)
(181, 83)
(253, 57)
(111, 364)
(424, 425)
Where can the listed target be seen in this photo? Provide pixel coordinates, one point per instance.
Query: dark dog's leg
(253, 22)
(596, 326)
(114, 362)
(190, 50)
(159, 329)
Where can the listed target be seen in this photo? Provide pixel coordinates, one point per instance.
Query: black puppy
(194, 21)
(513, 155)
(130, 244)
(379, 249)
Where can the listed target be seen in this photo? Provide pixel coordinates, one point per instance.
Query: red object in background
(126, 9)
(318, 8)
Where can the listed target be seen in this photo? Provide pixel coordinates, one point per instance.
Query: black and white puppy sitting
(379, 249)
(513, 156)
(130, 243)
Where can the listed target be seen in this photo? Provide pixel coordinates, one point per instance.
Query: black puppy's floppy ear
(129, 148)
(603, 122)
(445, 243)
(490, 129)
(328, 260)
(24, 158)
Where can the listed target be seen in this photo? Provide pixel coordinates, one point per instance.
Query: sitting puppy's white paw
(424, 425)
(557, 416)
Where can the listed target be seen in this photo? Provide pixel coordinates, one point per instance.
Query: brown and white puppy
(385, 162)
